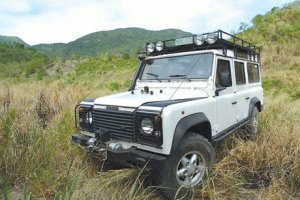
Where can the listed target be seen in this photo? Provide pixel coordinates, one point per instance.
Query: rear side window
(239, 73)
(223, 78)
(253, 73)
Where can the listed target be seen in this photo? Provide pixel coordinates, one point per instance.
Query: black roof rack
(240, 47)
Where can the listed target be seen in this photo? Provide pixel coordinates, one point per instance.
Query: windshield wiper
(155, 75)
(180, 76)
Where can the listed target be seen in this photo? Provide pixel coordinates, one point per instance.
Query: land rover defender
(186, 95)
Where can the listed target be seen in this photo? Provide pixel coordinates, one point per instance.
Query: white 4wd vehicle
(186, 95)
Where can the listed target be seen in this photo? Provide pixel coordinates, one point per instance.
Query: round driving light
(199, 40)
(211, 38)
(88, 118)
(159, 46)
(150, 47)
(147, 126)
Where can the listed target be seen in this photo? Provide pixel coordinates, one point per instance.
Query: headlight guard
(149, 128)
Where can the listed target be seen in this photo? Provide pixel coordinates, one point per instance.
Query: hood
(127, 99)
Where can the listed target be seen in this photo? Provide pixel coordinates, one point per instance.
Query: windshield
(190, 67)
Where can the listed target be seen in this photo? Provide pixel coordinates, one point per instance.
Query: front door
(226, 101)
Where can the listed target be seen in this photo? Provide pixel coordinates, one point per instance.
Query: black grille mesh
(119, 122)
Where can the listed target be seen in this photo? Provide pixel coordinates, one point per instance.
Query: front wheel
(186, 168)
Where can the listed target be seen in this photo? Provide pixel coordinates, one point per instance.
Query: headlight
(147, 126)
(211, 38)
(88, 118)
(150, 47)
(199, 40)
(159, 46)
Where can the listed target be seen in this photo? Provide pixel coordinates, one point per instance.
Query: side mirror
(218, 90)
(225, 81)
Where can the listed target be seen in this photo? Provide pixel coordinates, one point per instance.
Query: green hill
(278, 33)
(118, 41)
(12, 40)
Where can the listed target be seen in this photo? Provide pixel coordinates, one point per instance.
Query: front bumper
(131, 156)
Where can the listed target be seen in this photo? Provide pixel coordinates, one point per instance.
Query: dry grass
(265, 168)
(37, 155)
(37, 123)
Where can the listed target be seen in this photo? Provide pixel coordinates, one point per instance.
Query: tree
(258, 19)
(243, 26)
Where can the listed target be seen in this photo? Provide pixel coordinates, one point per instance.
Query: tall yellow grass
(37, 122)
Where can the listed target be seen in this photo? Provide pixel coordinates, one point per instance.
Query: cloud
(15, 6)
(60, 26)
(157, 14)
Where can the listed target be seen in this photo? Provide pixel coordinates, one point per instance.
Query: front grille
(120, 123)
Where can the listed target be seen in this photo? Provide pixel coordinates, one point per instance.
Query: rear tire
(186, 168)
(252, 128)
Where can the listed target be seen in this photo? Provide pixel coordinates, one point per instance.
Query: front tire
(186, 167)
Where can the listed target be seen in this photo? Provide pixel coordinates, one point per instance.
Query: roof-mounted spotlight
(199, 40)
(150, 47)
(211, 38)
(159, 46)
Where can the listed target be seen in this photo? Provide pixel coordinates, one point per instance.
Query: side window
(253, 73)
(239, 73)
(223, 78)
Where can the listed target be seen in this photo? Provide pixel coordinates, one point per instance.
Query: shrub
(113, 86)
(126, 56)
(57, 70)
(39, 75)
(127, 83)
(31, 66)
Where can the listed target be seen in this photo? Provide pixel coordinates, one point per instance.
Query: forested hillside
(12, 40)
(37, 160)
(278, 33)
(117, 41)
(15, 60)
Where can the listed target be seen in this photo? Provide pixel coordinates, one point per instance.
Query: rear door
(242, 92)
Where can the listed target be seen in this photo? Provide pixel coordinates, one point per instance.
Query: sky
(63, 21)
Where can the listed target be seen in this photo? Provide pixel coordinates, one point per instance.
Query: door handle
(234, 102)
(247, 98)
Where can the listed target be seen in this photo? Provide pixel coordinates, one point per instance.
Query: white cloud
(62, 26)
(15, 6)
(157, 14)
